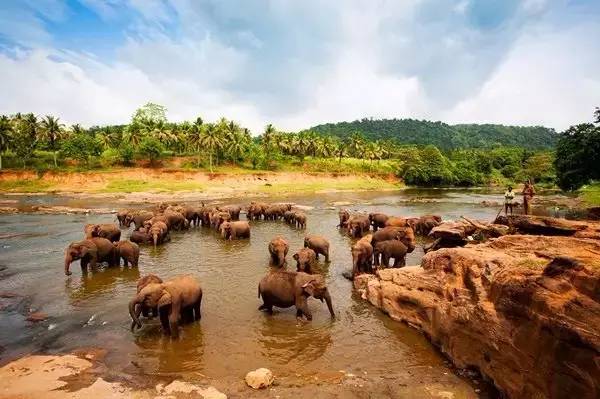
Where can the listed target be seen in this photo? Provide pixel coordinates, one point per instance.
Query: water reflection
(100, 282)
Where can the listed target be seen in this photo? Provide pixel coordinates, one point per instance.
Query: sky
(296, 64)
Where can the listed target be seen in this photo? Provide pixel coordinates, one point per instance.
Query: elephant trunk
(281, 258)
(155, 239)
(68, 261)
(327, 298)
(132, 313)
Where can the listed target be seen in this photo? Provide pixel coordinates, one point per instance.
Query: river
(233, 337)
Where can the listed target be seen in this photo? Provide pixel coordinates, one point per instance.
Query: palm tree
(341, 150)
(328, 146)
(6, 130)
(268, 138)
(194, 138)
(210, 138)
(52, 131)
(236, 146)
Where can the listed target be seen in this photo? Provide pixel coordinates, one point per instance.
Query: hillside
(442, 135)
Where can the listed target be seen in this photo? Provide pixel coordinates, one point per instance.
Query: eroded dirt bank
(523, 309)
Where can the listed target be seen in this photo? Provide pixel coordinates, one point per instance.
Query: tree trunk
(0, 161)
(55, 164)
(210, 162)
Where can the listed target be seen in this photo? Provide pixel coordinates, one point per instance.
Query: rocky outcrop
(551, 226)
(523, 309)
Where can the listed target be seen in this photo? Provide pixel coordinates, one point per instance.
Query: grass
(590, 194)
(25, 186)
(135, 186)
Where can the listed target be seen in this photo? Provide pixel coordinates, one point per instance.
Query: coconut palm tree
(236, 146)
(52, 131)
(268, 138)
(194, 138)
(6, 130)
(210, 139)
(341, 150)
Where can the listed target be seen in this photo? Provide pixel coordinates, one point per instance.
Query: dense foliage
(578, 155)
(151, 138)
(444, 136)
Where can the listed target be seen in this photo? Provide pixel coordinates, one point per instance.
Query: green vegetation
(443, 136)
(25, 186)
(423, 153)
(578, 155)
(135, 186)
(590, 194)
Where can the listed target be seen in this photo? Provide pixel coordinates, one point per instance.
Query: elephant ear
(309, 288)
(295, 256)
(165, 299)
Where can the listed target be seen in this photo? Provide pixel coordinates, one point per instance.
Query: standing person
(509, 197)
(528, 193)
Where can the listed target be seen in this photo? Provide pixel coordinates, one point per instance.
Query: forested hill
(442, 135)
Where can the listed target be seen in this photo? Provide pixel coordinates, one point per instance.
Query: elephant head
(226, 230)
(151, 296)
(317, 288)
(75, 251)
(407, 236)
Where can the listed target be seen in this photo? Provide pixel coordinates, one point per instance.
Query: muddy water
(233, 336)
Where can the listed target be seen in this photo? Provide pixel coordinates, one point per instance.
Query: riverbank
(521, 309)
(233, 183)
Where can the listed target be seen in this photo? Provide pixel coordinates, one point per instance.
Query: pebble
(259, 378)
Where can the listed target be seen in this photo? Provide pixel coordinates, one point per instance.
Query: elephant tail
(259, 290)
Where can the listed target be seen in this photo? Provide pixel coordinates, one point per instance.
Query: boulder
(549, 226)
(36, 317)
(524, 310)
(259, 378)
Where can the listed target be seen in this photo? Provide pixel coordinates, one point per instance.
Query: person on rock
(509, 197)
(528, 193)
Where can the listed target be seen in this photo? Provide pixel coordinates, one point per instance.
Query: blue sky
(300, 63)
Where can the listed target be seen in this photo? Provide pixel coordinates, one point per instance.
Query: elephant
(140, 308)
(362, 256)
(90, 251)
(218, 217)
(138, 219)
(233, 210)
(159, 232)
(256, 210)
(235, 230)
(205, 213)
(290, 217)
(106, 230)
(426, 223)
(319, 244)
(358, 225)
(180, 296)
(122, 217)
(175, 220)
(300, 220)
(344, 216)
(141, 236)
(284, 289)
(278, 248)
(378, 220)
(305, 258)
(390, 249)
(158, 218)
(404, 234)
(394, 221)
(192, 215)
(271, 213)
(128, 251)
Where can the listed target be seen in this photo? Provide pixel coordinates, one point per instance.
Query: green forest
(443, 136)
(423, 154)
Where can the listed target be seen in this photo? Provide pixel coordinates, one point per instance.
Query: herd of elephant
(392, 237)
(178, 300)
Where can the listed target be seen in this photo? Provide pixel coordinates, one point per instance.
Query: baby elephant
(278, 248)
(107, 230)
(235, 230)
(319, 244)
(284, 289)
(140, 308)
(91, 251)
(390, 249)
(128, 251)
(305, 258)
(180, 296)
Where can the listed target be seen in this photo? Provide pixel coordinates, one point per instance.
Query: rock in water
(36, 316)
(522, 309)
(259, 378)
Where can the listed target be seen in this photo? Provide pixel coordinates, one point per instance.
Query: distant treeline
(443, 136)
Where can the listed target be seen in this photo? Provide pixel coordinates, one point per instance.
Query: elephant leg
(174, 324)
(164, 321)
(134, 262)
(303, 310)
(326, 254)
(385, 260)
(267, 307)
(376, 258)
(197, 313)
(124, 262)
(187, 314)
(84, 265)
(396, 262)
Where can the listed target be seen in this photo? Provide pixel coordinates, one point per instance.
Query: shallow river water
(233, 337)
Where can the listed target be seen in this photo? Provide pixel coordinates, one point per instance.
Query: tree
(150, 148)
(151, 114)
(80, 147)
(52, 131)
(577, 154)
(211, 140)
(6, 131)
(194, 137)
(25, 137)
(268, 139)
